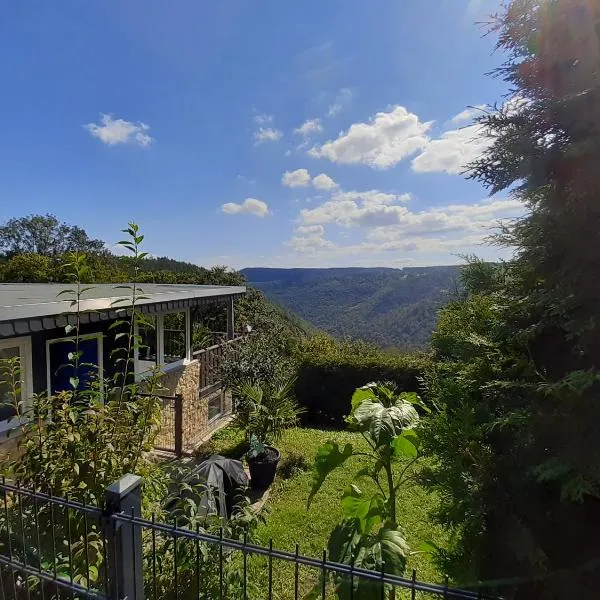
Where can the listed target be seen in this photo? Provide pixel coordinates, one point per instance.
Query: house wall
(185, 381)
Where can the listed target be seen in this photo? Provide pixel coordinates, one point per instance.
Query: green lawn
(288, 522)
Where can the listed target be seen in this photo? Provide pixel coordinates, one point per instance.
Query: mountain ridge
(386, 306)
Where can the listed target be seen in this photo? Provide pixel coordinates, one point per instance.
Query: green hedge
(329, 371)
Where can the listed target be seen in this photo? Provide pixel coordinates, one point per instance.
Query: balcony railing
(185, 420)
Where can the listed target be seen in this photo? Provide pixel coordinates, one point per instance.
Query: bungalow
(34, 321)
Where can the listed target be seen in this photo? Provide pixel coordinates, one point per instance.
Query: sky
(247, 133)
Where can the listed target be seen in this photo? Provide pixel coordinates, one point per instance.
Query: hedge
(329, 371)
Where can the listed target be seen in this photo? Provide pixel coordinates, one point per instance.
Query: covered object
(225, 481)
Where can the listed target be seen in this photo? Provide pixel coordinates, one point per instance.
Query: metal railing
(53, 548)
(210, 359)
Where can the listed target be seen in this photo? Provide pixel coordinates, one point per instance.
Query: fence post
(178, 425)
(125, 566)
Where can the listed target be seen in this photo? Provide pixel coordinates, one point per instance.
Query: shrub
(329, 371)
(266, 410)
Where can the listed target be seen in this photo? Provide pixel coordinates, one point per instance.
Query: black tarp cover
(224, 479)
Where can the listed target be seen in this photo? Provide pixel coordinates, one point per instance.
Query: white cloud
(267, 134)
(308, 127)
(324, 182)
(453, 150)
(113, 131)
(390, 228)
(250, 206)
(343, 97)
(469, 113)
(297, 178)
(381, 143)
(262, 119)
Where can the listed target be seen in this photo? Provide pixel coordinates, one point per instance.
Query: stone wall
(185, 381)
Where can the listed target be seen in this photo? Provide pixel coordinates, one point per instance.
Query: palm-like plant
(266, 410)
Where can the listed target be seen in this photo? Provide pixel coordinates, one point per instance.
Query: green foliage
(369, 535)
(329, 371)
(197, 561)
(516, 363)
(45, 235)
(265, 411)
(387, 307)
(262, 357)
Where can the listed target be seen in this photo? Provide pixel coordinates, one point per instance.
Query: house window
(174, 336)
(147, 351)
(20, 349)
(215, 406)
(61, 368)
(163, 340)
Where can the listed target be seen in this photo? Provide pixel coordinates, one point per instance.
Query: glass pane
(62, 368)
(7, 400)
(214, 406)
(147, 351)
(174, 334)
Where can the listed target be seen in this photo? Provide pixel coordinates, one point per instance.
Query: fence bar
(178, 425)
(124, 497)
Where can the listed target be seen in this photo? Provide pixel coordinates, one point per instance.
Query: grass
(289, 522)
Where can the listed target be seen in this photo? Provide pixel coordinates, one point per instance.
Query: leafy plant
(369, 536)
(197, 575)
(77, 441)
(265, 411)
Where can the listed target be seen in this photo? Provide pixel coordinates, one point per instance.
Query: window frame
(87, 336)
(26, 363)
(221, 412)
(160, 344)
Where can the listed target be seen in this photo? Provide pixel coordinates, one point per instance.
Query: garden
(339, 481)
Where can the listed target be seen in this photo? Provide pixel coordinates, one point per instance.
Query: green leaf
(74, 381)
(361, 394)
(406, 444)
(384, 423)
(343, 540)
(394, 550)
(327, 459)
(368, 509)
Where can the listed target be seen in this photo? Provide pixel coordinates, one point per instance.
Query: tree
(27, 268)
(45, 235)
(517, 365)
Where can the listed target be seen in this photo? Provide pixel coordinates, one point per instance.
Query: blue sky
(253, 133)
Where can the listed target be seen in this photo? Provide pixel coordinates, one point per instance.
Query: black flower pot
(263, 467)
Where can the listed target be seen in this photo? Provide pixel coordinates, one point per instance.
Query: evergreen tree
(518, 380)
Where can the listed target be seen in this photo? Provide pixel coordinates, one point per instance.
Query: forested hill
(389, 307)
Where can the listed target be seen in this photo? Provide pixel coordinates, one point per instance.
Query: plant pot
(263, 467)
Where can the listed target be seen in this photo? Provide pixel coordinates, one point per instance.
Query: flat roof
(24, 301)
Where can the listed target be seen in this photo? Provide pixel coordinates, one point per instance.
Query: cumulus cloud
(324, 182)
(308, 127)
(267, 134)
(251, 206)
(342, 98)
(393, 228)
(113, 131)
(380, 143)
(297, 178)
(453, 150)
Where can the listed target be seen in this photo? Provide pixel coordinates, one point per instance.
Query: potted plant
(265, 411)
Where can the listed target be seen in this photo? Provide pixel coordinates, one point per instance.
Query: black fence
(53, 548)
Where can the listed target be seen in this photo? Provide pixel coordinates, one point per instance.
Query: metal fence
(53, 548)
